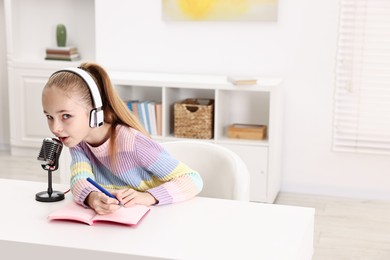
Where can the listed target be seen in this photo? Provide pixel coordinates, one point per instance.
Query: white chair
(224, 173)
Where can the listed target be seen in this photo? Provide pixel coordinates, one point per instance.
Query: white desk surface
(201, 228)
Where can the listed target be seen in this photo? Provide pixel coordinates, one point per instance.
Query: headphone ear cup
(96, 118)
(92, 118)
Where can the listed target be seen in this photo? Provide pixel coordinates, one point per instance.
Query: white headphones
(96, 116)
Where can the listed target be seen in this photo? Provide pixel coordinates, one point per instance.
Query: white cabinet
(28, 123)
(256, 158)
(261, 104)
(27, 119)
(30, 29)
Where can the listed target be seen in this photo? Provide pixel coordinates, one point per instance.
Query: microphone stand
(50, 195)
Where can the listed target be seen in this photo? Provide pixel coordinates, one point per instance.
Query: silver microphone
(50, 153)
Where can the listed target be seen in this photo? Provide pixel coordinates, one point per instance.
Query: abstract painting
(219, 10)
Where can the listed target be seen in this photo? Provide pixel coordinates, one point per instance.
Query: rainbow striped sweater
(142, 164)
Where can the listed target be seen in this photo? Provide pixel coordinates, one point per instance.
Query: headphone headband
(96, 114)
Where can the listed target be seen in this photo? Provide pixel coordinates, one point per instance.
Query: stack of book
(149, 114)
(67, 53)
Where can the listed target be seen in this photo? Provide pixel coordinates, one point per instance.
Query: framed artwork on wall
(220, 10)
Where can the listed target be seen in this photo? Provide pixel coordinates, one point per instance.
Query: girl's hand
(130, 197)
(101, 203)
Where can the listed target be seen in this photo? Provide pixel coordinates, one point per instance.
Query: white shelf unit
(260, 104)
(29, 31)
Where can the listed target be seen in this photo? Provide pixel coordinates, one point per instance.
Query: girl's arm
(81, 169)
(176, 181)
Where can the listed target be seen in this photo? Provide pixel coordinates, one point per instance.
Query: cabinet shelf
(233, 104)
(260, 104)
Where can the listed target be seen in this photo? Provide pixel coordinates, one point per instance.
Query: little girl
(108, 144)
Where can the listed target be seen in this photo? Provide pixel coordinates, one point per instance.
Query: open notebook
(74, 212)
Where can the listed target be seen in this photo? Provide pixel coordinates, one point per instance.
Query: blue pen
(94, 183)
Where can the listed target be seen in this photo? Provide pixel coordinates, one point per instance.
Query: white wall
(4, 120)
(300, 47)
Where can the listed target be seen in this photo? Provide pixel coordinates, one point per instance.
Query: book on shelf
(152, 117)
(141, 115)
(147, 116)
(63, 57)
(129, 104)
(69, 49)
(242, 80)
(74, 212)
(134, 107)
(159, 118)
(61, 52)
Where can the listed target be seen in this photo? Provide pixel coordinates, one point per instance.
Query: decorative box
(247, 131)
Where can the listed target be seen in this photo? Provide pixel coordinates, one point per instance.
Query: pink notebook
(74, 212)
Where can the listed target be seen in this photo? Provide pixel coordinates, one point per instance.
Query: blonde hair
(115, 110)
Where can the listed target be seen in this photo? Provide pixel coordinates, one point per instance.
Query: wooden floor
(345, 229)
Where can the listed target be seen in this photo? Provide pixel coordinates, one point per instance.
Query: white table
(201, 228)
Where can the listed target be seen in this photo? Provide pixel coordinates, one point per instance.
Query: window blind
(362, 91)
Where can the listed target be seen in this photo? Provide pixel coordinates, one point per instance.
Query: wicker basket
(194, 118)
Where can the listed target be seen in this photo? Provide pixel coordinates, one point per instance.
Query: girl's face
(67, 116)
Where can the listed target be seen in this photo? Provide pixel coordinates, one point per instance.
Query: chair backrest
(224, 173)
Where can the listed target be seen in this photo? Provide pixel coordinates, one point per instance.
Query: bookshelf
(248, 104)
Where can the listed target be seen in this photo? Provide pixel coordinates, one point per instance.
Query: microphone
(49, 155)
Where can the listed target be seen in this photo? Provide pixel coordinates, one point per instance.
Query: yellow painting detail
(196, 9)
(219, 10)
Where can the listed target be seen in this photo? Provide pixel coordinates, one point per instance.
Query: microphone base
(44, 196)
